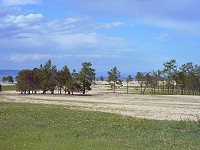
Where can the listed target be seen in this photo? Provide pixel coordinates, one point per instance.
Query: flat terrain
(158, 107)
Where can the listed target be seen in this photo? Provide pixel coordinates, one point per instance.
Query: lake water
(12, 73)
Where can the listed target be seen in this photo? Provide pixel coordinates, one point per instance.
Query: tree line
(171, 79)
(47, 78)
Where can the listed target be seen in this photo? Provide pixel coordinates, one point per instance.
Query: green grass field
(11, 87)
(34, 126)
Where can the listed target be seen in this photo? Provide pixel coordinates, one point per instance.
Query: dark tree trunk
(114, 87)
(60, 90)
(127, 87)
(144, 90)
(52, 91)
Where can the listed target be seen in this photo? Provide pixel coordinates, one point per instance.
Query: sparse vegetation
(172, 80)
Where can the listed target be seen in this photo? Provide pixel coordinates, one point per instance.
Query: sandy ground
(159, 107)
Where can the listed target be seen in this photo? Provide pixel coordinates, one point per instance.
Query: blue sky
(134, 35)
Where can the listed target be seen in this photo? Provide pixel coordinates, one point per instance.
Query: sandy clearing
(159, 107)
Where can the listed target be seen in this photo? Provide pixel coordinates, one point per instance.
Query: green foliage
(73, 85)
(114, 76)
(129, 78)
(101, 78)
(65, 79)
(86, 77)
(8, 79)
(25, 81)
(29, 126)
(169, 71)
(47, 78)
(185, 80)
(4, 79)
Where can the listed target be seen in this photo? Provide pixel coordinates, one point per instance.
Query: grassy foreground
(32, 126)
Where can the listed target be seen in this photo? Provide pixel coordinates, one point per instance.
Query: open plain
(101, 98)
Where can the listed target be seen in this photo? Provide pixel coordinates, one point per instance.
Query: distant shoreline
(4, 72)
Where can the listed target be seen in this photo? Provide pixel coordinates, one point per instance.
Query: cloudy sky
(134, 35)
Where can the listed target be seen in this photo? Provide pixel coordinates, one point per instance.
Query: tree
(180, 80)
(192, 83)
(159, 78)
(36, 79)
(154, 82)
(4, 79)
(53, 80)
(170, 69)
(147, 81)
(25, 81)
(197, 74)
(140, 78)
(184, 71)
(60, 82)
(73, 84)
(86, 76)
(114, 76)
(128, 79)
(48, 77)
(101, 78)
(64, 79)
(8, 79)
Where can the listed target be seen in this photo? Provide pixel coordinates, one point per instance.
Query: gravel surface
(159, 107)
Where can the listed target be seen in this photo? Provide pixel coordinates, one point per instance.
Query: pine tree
(86, 76)
(114, 76)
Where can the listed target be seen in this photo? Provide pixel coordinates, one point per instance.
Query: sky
(133, 35)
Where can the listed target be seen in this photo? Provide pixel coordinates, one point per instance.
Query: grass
(34, 126)
(11, 87)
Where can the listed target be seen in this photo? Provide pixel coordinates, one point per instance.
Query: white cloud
(28, 57)
(159, 13)
(36, 24)
(109, 25)
(19, 2)
(33, 57)
(20, 26)
(91, 56)
(74, 37)
(22, 21)
(162, 37)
